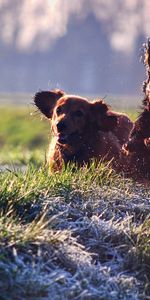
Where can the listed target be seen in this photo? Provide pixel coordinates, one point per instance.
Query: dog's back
(123, 128)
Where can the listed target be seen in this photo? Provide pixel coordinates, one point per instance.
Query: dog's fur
(137, 148)
(82, 130)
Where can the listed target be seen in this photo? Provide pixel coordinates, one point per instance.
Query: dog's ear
(102, 117)
(108, 123)
(46, 101)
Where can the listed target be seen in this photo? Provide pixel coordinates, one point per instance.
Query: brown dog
(138, 147)
(82, 130)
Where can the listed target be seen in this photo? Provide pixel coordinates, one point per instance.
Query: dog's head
(73, 116)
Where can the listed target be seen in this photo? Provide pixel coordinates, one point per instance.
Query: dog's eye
(78, 113)
(59, 110)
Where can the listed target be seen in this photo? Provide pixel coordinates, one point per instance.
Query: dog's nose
(61, 126)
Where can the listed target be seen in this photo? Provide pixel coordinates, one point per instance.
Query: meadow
(78, 234)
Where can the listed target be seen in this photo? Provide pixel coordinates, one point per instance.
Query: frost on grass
(89, 237)
(68, 272)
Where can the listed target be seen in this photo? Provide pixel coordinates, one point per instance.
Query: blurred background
(89, 47)
(86, 47)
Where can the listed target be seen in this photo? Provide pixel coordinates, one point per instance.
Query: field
(73, 235)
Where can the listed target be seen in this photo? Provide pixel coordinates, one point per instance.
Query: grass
(21, 135)
(78, 234)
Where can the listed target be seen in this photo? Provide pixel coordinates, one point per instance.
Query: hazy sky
(36, 24)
